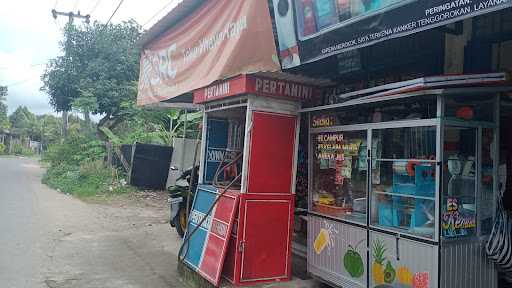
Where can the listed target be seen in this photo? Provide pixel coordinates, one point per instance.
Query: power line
(31, 65)
(55, 6)
(117, 8)
(159, 11)
(19, 82)
(95, 5)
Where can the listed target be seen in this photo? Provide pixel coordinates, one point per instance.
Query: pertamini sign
(327, 27)
(257, 85)
(220, 39)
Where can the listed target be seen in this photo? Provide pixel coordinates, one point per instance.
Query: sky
(29, 36)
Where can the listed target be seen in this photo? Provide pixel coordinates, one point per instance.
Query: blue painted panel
(216, 144)
(203, 200)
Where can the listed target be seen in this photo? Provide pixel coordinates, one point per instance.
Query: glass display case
(402, 176)
(340, 163)
(403, 180)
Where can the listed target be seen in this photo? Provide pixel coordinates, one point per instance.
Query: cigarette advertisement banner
(220, 39)
(328, 27)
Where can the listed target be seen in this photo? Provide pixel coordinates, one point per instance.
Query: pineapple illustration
(378, 262)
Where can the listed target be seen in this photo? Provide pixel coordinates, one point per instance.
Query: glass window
(458, 214)
(470, 108)
(340, 171)
(403, 180)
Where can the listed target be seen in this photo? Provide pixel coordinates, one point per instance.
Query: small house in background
(12, 138)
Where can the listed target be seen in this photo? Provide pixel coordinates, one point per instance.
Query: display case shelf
(405, 195)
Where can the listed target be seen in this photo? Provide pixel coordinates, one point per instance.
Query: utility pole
(71, 16)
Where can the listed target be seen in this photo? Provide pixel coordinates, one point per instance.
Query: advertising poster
(206, 250)
(219, 40)
(329, 27)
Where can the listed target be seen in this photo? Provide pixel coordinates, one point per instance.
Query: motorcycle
(178, 199)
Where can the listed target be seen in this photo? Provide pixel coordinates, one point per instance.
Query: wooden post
(109, 154)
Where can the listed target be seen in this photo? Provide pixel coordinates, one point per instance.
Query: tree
(97, 73)
(4, 120)
(24, 122)
(49, 129)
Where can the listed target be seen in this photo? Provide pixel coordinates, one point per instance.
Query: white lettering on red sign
(218, 90)
(283, 88)
(219, 228)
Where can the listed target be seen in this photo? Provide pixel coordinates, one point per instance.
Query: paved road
(51, 240)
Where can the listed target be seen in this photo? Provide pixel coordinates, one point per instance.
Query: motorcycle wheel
(180, 222)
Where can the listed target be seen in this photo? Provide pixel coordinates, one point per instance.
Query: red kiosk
(251, 123)
(241, 219)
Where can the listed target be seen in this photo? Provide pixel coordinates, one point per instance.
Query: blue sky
(29, 36)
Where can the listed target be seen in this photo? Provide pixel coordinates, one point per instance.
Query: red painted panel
(266, 239)
(224, 208)
(210, 266)
(218, 238)
(272, 150)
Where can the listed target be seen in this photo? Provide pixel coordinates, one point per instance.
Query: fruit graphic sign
(353, 262)
(325, 238)
(388, 272)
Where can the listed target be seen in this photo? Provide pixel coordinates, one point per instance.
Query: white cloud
(29, 35)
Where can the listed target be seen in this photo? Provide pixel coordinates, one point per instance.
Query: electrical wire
(19, 82)
(158, 12)
(95, 6)
(114, 13)
(56, 2)
(31, 65)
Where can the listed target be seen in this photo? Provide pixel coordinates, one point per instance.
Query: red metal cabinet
(260, 246)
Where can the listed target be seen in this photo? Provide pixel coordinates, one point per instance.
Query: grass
(90, 179)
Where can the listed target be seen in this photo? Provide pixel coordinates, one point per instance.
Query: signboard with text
(329, 27)
(256, 85)
(206, 250)
(220, 39)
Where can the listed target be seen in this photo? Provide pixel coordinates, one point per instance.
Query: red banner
(220, 39)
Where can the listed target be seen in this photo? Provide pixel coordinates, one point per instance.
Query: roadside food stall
(241, 220)
(220, 56)
(402, 183)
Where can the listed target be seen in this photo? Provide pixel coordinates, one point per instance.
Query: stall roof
(492, 82)
(176, 15)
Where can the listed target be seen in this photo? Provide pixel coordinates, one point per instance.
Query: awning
(200, 42)
(474, 83)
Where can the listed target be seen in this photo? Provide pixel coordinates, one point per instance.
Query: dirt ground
(53, 240)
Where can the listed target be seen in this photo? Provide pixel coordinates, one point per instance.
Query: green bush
(18, 149)
(75, 150)
(76, 167)
(2, 149)
(91, 178)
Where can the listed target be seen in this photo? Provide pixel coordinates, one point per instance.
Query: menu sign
(334, 151)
